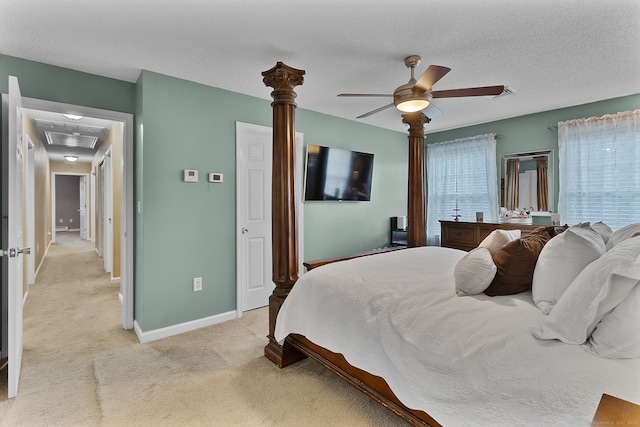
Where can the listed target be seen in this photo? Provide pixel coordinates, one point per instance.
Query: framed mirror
(527, 181)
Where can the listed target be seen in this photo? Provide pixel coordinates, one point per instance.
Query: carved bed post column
(283, 79)
(416, 214)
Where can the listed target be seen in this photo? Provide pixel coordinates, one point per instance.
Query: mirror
(527, 181)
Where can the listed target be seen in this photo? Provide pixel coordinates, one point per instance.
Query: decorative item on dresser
(467, 235)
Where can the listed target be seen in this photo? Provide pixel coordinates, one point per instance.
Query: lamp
(408, 100)
(71, 158)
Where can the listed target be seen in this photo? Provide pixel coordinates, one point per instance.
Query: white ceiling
(552, 53)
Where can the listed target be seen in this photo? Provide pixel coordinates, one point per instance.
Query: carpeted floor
(81, 369)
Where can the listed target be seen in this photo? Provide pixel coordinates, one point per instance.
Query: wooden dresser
(467, 235)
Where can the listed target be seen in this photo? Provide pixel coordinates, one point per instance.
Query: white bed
(465, 360)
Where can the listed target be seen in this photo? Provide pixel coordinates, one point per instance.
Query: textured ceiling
(552, 53)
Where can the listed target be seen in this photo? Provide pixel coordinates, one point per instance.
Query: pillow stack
(598, 304)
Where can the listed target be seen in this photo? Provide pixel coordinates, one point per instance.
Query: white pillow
(498, 238)
(617, 336)
(624, 233)
(603, 230)
(597, 290)
(560, 262)
(474, 272)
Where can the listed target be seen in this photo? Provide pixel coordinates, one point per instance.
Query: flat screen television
(337, 174)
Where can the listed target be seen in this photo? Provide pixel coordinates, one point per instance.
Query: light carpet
(81, 369)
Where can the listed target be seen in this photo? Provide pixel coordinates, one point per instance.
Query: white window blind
(461, 174)
(599, 165)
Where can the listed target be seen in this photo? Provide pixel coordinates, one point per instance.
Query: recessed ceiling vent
(71, 140)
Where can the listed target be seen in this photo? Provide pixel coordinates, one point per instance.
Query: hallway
(72, 313)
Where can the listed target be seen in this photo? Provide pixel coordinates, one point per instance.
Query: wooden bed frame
(283, 79)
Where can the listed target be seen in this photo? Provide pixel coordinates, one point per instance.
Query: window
(461, 174)
(599, 165)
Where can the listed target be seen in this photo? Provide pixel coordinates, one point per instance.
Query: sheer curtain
(461, 174)
(599, 165)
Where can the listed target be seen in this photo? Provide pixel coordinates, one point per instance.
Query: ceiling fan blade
(377, 110)
(365, 94)
(471, 91)
(431, 111)
(430, 77)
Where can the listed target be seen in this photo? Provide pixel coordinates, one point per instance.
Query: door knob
(244, 230)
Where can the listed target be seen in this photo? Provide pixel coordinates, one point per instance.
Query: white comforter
(463, 360)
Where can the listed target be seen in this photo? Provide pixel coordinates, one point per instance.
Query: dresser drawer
(461, 233)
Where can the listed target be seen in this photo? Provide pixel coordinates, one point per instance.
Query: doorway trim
(127, 235)
(30, 214)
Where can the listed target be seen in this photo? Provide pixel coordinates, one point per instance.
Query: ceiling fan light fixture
(412, 105)
(408, 100)
(71, 158)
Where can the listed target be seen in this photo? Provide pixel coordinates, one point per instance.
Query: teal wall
(531, 132)
(341, 228)
(188, 230)
(43, 81)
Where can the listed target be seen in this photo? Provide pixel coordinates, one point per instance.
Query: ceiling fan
(416, 95)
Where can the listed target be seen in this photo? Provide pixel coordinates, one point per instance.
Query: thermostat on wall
(215, 177)
(190, 175)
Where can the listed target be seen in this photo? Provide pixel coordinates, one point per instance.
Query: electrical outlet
(70, 219)
(197, 284)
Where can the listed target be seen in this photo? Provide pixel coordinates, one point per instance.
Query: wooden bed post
(416, 214)
(283, 79)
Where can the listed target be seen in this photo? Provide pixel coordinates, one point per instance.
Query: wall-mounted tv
(337, 174)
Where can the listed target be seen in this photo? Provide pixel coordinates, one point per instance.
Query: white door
(83, 207)
(254, 147)
(254, 152)
(13, 160)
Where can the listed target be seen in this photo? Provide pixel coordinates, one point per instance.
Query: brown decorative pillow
(551, 230)
(515, 264)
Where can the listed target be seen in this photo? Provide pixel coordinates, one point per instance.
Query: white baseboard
(156, 334)
(46, 251)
